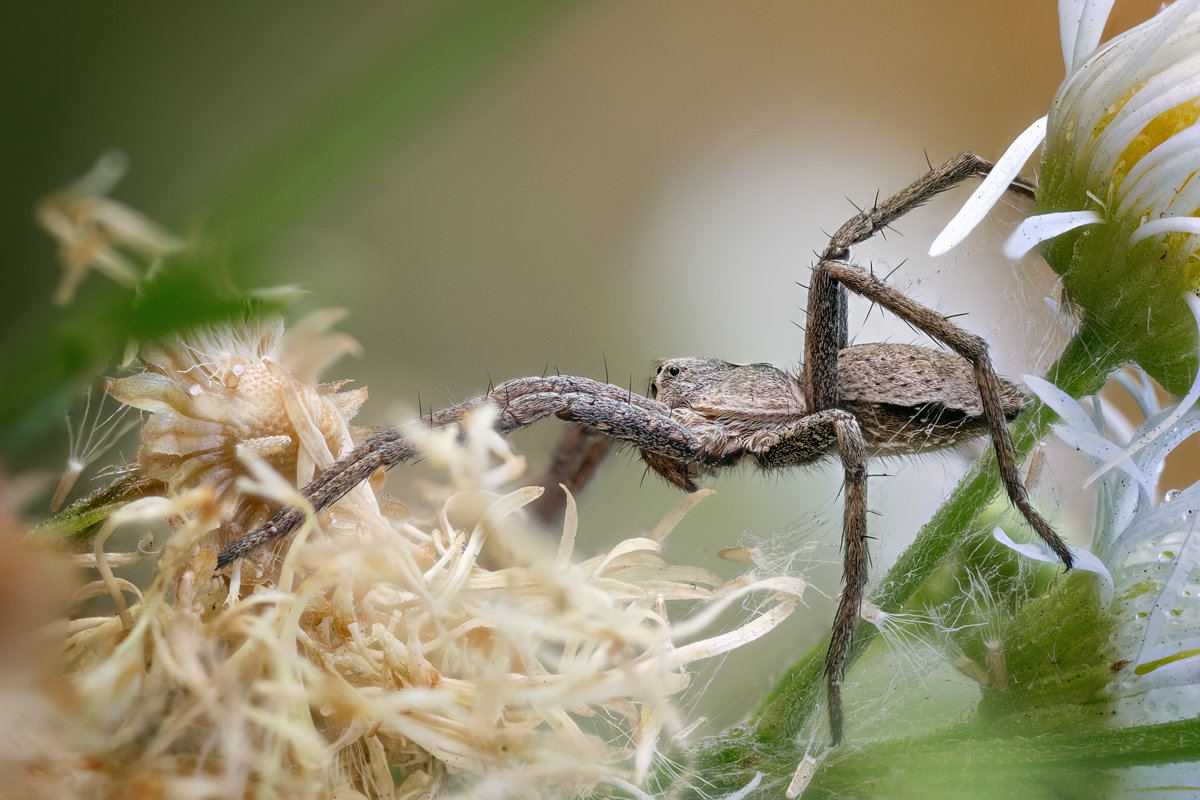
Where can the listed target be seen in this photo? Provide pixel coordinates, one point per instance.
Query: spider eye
(659, 370)
(674, 370)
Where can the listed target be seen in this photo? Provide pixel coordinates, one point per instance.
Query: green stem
(960, 763)
(1055, 765)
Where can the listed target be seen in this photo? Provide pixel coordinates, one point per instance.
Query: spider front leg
(827, 318)
(602, 407)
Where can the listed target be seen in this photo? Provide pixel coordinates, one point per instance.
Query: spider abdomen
(910, 399)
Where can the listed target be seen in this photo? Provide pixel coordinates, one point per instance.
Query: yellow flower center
(1157, 131)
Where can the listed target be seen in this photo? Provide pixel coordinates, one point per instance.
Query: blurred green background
(501, 188)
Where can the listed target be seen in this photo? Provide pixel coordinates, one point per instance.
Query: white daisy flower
(1118, 196)
(1146, 552)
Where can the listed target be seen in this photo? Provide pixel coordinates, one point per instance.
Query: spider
(854, 402)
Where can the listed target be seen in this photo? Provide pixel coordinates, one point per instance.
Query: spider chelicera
(853, 402)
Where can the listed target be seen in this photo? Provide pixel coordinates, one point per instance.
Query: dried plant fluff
(381, 655)
(224, 392)
(94, 231)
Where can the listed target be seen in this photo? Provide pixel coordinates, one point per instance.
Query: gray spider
(703, 415)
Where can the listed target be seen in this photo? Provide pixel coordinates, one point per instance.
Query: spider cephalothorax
(907, 400)
(703, 415)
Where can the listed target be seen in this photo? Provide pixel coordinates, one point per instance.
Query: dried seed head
(393, 663)
(224, 391)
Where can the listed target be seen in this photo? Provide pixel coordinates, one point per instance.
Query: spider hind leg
(826, 337)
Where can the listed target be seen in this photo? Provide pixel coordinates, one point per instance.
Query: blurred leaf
(185, 292)
(368, 115)
(360, 119)
(187, 295)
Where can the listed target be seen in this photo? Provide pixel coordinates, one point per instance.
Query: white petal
(1162, 92)
(1097, 448)
(1080, 23)
(1165, 225)
(1150, 459)
(1083, 559)
(991, 189)
(1184, 406)
(1137, 383)
(104, 175)
(1061, 403)
(1163, 180)
(1044, 227)
(1149, 528)
(1070, 15)
(126, 226)
(1156, 645)
(112, 264)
